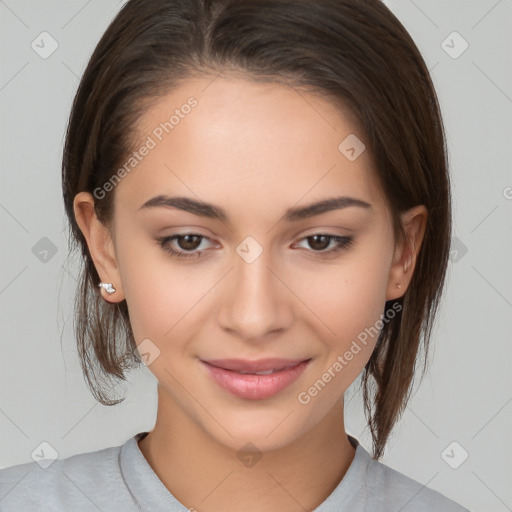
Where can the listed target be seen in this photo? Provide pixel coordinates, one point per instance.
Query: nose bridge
(256, 301)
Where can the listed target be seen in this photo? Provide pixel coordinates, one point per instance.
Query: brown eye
(188, 242)
(186, 245)
(319, 243)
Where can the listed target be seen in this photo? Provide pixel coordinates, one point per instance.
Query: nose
(255, 300)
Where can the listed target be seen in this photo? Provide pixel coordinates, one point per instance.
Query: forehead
(246, 142)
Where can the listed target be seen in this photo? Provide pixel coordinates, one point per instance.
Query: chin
(266, 432)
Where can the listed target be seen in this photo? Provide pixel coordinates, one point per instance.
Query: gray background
(466, 396)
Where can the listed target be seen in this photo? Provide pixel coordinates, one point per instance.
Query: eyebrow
(211, 211)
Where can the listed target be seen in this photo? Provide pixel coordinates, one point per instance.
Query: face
(253, 283)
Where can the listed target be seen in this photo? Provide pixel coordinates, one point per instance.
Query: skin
(255, 150)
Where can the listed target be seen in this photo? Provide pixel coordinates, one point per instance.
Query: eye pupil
(321, 245)
(187, 244)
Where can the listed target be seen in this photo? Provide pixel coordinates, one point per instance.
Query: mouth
(255, 380)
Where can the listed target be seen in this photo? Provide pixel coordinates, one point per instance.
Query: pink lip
(261, 365)
(255, 387)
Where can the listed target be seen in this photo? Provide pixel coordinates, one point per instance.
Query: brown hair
(354, 52)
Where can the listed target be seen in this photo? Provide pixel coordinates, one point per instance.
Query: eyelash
(344, 242)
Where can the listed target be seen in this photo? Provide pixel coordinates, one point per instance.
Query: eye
(321, 241)
(188, 243)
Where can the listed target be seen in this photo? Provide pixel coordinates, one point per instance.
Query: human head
(355, 54)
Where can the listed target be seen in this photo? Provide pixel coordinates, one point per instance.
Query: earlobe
(100, 244)
(414, 222)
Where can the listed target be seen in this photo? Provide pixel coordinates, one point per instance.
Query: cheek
(347, 300)
(159, 292)
(348, 294)
(342, 297)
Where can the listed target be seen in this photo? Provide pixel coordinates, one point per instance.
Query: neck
(205, 475)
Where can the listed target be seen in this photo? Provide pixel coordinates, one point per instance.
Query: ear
(414, 222)
(100, 244)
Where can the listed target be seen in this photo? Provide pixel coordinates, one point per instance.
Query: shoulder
(80, 482)
(392, 490)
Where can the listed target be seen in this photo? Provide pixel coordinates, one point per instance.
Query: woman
(261, 197)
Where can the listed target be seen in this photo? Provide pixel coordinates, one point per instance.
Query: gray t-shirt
(119, 479)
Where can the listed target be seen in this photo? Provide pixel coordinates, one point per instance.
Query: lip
(246, 365)
(226, 373)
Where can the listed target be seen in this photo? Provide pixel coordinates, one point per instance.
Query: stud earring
(108, 287)
(398, 285)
